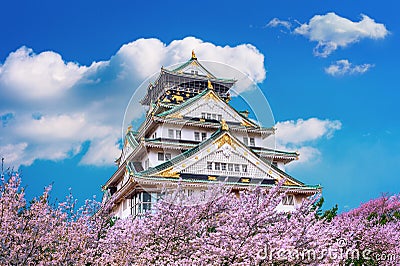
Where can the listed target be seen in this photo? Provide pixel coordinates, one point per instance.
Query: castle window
(209, 165)
(237, 168)
(178, 134)
(203, 115)
(208, 116)
(288, 200)
(203, 135)
(170, 133)
(219, 117)
(214, 116)
(164, 156)
(145, 203)
(196, 135)
(252, 142)
(230, 167)
(141, 203)
(223, 166)
(246, 141)
(125, 204)
(244, 168)
(217, 166)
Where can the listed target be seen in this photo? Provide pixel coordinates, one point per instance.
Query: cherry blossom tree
(226, 229)
(38, 233)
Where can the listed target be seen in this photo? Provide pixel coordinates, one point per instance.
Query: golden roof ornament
(228, 98)
(193, 55)
(128, 129)
(209, 85)
(224, 125)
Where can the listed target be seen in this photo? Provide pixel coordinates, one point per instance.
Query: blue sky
(68, 69)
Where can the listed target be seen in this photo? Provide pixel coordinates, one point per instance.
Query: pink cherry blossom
(224, 230)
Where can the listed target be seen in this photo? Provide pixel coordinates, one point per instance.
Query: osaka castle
(193, 137)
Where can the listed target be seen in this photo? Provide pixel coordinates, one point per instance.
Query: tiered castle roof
(174, 99)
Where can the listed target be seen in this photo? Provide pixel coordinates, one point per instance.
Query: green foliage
(326, 215)
(211, 229)
(112, 221)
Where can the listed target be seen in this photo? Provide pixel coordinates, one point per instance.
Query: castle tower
(192, 135)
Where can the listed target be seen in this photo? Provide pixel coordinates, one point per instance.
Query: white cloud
(14, 152)
(38, 76)
(300, 131)
(51, 107)
(142, 57)
(275, 22)
(307, 154)
(301, 135)
(145, 56)
(57, 128)
(101, 152)
(344, 67)
(244, 57)
(332, 31)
